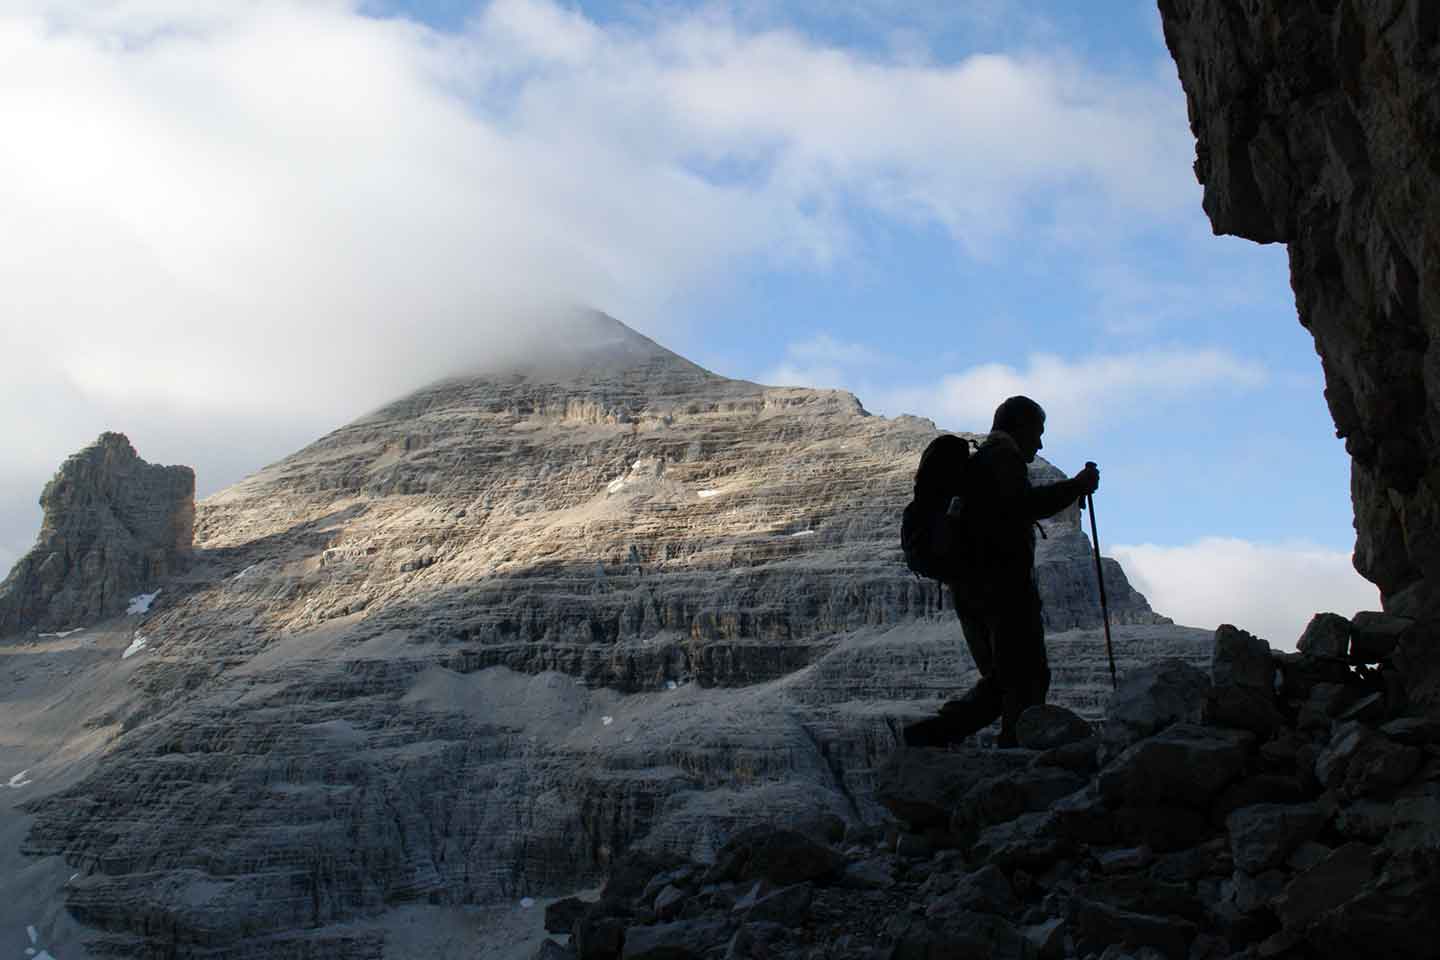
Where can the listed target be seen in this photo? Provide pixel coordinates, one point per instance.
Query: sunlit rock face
(1318, 126)
(113, 527)
(474, 645)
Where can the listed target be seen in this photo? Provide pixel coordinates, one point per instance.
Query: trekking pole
(1100, 577)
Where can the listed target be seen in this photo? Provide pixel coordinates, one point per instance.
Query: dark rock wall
(113, 527)
(1318, 126)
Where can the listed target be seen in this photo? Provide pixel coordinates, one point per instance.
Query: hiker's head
(1024, 420)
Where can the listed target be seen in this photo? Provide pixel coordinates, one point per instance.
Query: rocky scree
(1197, 839)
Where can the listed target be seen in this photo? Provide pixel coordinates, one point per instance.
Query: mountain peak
(578, 345)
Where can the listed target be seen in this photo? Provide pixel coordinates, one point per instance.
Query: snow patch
(607, 720)
(802, 533)
(44, 955)
(707, 494)
(671, 684)
(527, 902)
(141, 603)
(34, 935)
(616, 485)
(19, 780)
(140, 642)
(62, 634)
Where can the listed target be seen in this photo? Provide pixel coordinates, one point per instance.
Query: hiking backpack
(933, 536)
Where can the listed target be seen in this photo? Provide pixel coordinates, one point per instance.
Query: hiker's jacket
(1007, 507)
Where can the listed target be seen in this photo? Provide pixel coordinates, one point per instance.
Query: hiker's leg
(1022, 666)
(979, 637)
(981, 704)
(1037, 659)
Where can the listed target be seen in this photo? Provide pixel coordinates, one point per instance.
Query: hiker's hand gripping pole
(1100, 577)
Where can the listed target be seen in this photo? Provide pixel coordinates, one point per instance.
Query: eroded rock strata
(1318, 126)
(113, 526)
(477, 644)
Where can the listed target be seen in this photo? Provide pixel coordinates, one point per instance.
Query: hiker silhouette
(997, 599)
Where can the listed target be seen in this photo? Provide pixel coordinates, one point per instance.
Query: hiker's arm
(1049, 499)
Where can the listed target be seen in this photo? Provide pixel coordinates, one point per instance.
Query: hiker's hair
(1018, 413)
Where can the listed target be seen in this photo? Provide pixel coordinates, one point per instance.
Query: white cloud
(1076, 394)
(288, 211)
(1272, 590)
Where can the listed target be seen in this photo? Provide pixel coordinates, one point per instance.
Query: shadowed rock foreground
(1273, 806)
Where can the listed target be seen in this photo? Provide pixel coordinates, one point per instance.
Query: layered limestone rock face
(473, 646)
(113, 526)
(1318, 126)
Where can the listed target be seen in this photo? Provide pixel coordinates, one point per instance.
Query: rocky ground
(1275, 806)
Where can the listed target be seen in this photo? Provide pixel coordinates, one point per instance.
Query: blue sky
(242, 225)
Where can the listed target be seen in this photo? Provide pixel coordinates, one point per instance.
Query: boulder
(1264, 835)
(1374, 635)
(1047, 938)
(669, 902)
(1360, 761)
(1413, 731)
(1003, 798)
(1414, 823)
(985, 891)
(1186, 764)
(923, 787)
(1256, 892)
(1125, 860)
(1097, 926)
(683, 940)
(1031, 842)
(1150, 699)
(781, 856)
(781, 906)
(1393, 915)
(550, 950)
(598, 935)
(1243, 708)
(561, 915)
(876, 873)
(1080, 757)
(1047, 726)
(1261, 788)
(963, 935)
(1241, 659)
(1336, 878)
(1327, 635)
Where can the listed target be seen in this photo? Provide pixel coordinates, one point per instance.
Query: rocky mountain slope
(470, 647)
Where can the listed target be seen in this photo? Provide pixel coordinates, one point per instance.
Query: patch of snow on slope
(707, 494)
(141, 604)
(19, 779)
(140, 642)
(61, 634)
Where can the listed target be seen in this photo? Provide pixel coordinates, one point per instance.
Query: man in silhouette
(999, 604)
